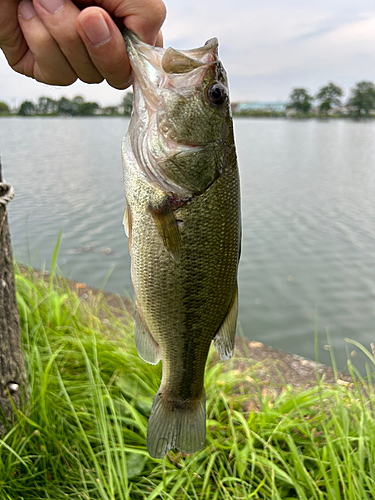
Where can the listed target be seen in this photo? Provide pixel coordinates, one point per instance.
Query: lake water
(308, 200)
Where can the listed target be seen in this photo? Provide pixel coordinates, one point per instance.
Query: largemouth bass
(182, 218)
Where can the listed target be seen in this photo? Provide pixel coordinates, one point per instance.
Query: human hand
(59, 41)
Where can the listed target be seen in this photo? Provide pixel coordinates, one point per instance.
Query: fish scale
(184, 252)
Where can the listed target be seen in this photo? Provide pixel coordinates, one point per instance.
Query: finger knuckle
(68, 39)
(120, 86)
(92, 79)
(67, 80)
(159, 11)
(60, 80)
(41, 39)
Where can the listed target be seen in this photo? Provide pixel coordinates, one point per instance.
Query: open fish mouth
(158, 71)
(157, 67)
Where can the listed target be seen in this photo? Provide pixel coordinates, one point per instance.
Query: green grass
(82, 434)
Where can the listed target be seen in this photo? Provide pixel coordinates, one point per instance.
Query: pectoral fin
(127, 221)
(167, 227)
(224, 338)
(147, 347)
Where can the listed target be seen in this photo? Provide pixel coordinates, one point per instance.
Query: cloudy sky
(267, 47)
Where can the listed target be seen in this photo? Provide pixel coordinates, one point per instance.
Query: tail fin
(170, 426)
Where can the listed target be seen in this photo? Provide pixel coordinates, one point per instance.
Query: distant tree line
(69, 107)
(326, 102)
(360, 104)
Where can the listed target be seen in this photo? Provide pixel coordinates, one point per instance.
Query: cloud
(245, 26)
(267, 47)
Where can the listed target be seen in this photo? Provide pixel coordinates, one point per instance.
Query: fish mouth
(142, 56)
(156, 69)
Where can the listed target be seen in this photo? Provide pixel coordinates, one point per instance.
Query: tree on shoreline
(76, 107)
(362, 99)
(329, 97)
(46, 106)
(300, 100)
(127, 103)
(4, 108)
(27, 108)
(71, 107)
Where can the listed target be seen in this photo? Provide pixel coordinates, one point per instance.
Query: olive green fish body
(183, 222)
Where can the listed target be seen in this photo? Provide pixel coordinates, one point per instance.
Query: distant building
(243, 107)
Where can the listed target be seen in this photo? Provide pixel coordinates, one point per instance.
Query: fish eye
(216, 93)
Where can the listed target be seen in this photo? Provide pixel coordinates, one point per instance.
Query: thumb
(143, 17)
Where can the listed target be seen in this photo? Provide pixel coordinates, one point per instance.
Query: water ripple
(308, 191)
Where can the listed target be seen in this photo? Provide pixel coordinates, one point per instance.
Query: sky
(267, 48)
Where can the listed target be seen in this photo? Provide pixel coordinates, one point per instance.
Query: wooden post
(12, 366)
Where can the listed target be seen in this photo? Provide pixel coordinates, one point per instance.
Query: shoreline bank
(273, 368)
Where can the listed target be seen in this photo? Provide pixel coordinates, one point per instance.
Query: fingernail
(26, 10)
(96, 29)
(52, 6)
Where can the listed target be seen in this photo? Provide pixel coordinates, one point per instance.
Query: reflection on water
(308, 191)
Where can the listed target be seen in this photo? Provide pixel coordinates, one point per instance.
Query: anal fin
(224, 338)
(167, 227)
(147, 347)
